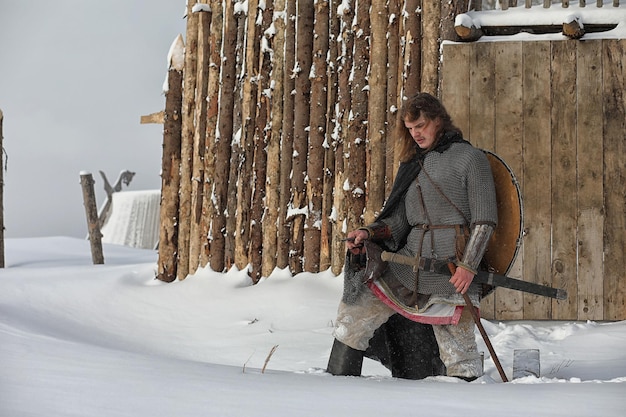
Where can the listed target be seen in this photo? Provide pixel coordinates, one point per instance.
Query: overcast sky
(75, 78)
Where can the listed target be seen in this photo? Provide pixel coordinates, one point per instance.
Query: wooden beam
(157, 118)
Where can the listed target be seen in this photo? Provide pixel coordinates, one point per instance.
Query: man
(442, 208)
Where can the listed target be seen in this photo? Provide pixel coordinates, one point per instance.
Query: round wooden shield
(507, 237)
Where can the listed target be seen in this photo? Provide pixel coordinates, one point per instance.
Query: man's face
(423, 130)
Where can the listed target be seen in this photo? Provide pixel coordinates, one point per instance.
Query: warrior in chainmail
(442, 207)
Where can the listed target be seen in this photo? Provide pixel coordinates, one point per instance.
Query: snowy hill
(110, 340)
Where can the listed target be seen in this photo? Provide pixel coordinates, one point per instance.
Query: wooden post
(236, 154)
(356, 167)
(248, 114)
(199, 137)
(284, 226)
(171, 164)
(329, 231)
(261, 138)
(394, 92)
(344, 99)
(223, 146)
(1, 193)
(93, 225)
(272, 183)
(212, 129)
(317, 137)
(302, 96)
(187, 135)
(377, 111)
(412, 26)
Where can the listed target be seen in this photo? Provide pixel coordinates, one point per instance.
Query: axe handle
(400, 259)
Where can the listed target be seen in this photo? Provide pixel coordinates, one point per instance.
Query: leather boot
(345, 360)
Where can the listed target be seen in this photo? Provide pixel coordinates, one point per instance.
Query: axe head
(374, 265)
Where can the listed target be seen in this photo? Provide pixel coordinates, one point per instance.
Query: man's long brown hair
(416, 106)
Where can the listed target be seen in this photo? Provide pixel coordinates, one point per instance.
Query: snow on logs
(469, 30)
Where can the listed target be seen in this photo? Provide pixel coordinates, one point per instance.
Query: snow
(555, 15)
(176, 54)
(78, 339)
(200, 7)
(134, 219)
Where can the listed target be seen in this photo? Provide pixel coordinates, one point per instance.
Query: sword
(482, 277)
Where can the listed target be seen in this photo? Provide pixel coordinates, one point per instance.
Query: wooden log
(170, 166)
(356, 167)
(376, 112)
(468, 33)
(199, 136)
(261, 139)
(223, 145)
(328, 228)
(91, 212)
(236, 154)
(248, 115)
(449, 12)
(286, 162)
(302, 93)
(187, 135)
(573, 29)
(317, 137)
(412, 29)
(394, 92)
(272, 182)
(342, 115)
(211, 138)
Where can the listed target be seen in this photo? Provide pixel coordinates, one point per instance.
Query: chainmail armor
(464, 175)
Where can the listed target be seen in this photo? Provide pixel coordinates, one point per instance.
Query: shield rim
(518, 238)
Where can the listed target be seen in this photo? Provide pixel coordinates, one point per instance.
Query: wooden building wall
(556, 112)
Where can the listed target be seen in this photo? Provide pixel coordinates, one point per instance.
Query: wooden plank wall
(555, 111)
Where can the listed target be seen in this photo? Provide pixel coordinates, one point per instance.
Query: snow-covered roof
(556, 15)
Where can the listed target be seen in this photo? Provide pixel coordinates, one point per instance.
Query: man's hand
(355, 240)
(461, 279)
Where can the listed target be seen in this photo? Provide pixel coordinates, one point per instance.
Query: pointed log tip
(176, 54)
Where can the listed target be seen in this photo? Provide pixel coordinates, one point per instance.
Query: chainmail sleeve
(483, 209)
(481, 190)
(397, 227)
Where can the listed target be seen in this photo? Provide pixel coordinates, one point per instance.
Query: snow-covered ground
(110, 340)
